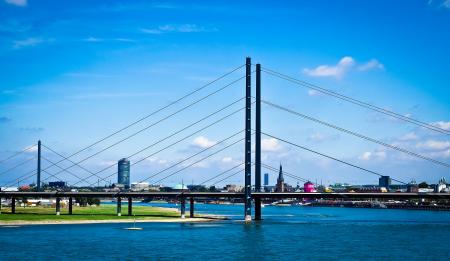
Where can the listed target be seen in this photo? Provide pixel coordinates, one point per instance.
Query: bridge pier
(58, 206)
(70, 205)
(13, 205)
(183, 207)
(191, 207)
(119, 206)
(130, 206)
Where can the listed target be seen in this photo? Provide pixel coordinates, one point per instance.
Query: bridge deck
(9, 194)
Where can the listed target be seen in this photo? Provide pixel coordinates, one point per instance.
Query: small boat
(134, 226)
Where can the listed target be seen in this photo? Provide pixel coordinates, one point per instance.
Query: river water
(287, 233)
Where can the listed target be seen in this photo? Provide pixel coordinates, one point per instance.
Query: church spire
(280, 181)
(280, 174)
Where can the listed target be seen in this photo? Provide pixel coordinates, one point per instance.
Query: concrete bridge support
(58, 206)
(70, 205)
(191, 207)
(119, 206)
(130, 206)
(183, 207)
(13, 205)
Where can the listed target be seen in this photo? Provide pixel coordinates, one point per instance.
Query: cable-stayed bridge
(82, 176)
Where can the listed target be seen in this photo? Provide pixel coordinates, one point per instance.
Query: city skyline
(70, 89)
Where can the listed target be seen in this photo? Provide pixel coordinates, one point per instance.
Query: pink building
(308, 187)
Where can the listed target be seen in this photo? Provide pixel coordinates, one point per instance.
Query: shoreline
(111, 221)
(90, 219)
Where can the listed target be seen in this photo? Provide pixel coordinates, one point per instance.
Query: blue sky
(72, 73)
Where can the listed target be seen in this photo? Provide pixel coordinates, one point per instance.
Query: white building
(442, 186)
(11, 189)
(139, 186)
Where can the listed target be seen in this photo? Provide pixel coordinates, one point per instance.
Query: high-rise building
(384, 181)
(280, 181)
(266, 179)
(123, 170)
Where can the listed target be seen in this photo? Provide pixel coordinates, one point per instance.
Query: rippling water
(287, 233)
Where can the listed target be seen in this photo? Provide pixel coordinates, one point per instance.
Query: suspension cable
(355, 101)
(66, 158)
(157, 122)
(191, 156)
(17, 153)
(329, 157)
(229, 176)
(284, 172)
(178, 141)
(54, 175)
(208, 156)
(356, 134)
(18, 165)
(155, 112)
(22, 178)
(223, 172)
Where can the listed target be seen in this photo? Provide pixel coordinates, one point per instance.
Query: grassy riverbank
(92, 213)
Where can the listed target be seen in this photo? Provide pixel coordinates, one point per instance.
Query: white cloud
(155, 160)
(409, 137)
(112, 95)
(27, 42)
(341, 68)
(97, 40)
(446, 3)
(4, 119)
(434, 145)
(151, 31)
(203, 142)
(442, 124)
(199, 165)
(92, 39)
(17, 2)
(183, 28)
(227, 159)
(336, 71)
(376, 155)
(270, 145)
(440, 154)
(162, 161)
(319, 137)
(372, 64)
(312, 92)
(126, 40)
(107, 162)
(366, 155)
(31, 149)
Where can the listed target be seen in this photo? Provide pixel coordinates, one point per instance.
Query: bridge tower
(38, 181)
(248, 141)
(258, 142)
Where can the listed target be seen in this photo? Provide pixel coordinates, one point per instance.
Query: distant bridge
(259, 195)
(182, 196)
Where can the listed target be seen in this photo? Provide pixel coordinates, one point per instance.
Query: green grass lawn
(103, 212)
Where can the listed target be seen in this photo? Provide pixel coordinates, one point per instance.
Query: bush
(85, 201)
